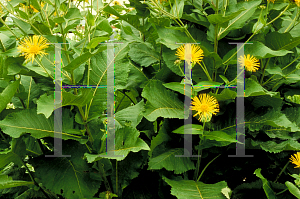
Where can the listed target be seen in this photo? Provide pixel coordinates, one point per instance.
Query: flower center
(247, 63)
(204, 108)
(34, 49)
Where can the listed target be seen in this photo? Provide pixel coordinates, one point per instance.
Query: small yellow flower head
(30, 47)
(197, 53)
(296, 160)
(116, 3)
(251, 64)
(271, 1)
(206, 106)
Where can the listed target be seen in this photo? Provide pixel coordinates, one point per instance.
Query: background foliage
(149, 100)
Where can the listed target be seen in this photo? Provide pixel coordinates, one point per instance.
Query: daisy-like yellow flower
(250, 63)
(30, 47)
(296, 160)
(206, 106)
(197, 53)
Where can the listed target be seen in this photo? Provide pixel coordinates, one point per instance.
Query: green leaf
(293, 189)
(266, 185)
(253, 88)
(95, 41)
(226, 94)
(219, 136)
(168, 37)
(24, 26)
(77, 100)
(183, 189)
(67, 173)
(177, 8)
(15, 154)
(45, 105)
(168, 161)
(223, 20)
(196, 18)
(90, 19)
(295, 99)
(275, 147)
(82, 59)
(259, 50)
(279, 41)
(142, 54)
(161, 102)
(28, 121)
(7, 182)
(73, 14)
(189, 129)
(59, 20)
(239, 21)
(274, 118)
(131, 114)
(126, 140)
(7, 94)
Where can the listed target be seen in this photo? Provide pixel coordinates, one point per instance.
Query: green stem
(282, 170)
(292, 21)
(120, 103)
(199, 154)
(102, 174)
(37, 61)
(206, 167)
(29, 93)
(264, 68)
(282, 191)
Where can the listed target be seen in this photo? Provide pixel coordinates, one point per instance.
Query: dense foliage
(149, 99)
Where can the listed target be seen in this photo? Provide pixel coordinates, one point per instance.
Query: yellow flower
(251, 64)
(206, 106)
(197, 53)
(271, 1)
(116, 3)
(30, 47)
(297, 2)
(296, 160)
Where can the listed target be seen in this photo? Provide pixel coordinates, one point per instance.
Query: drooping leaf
(161, 102)
(190, 129)
(28, 121)
(183, 189)
(142, 54)
(168, 161)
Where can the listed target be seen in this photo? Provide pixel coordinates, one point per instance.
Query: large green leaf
(28, 121)
(126, 140)
(168, 37)
(259, 50)
(168, 161)
(161, 102)
(7, 94)
(266, 185)
(239, 21)
(253, 88)
(275, 147)
(279, 41)
(190, 189)
(142, 54)
(131, 115)
(7, 182)
(15, 154)
(274, 118)
(69, 174)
